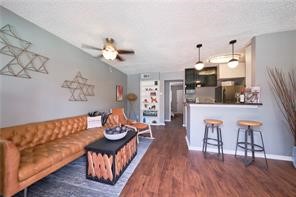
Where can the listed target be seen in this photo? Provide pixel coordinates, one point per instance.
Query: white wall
(274, 50)
(133, 86)
(167, 101)
(42, 98)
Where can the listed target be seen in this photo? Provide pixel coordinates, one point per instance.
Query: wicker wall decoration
(79, 88)
(22, 60)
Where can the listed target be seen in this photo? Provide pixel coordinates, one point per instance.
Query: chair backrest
(121, 115)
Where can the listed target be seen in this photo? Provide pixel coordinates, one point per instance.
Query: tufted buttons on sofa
(31, 135)
(37, 149)
(38, 158)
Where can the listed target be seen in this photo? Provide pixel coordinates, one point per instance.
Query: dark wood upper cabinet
(190, 76)
(205, 77)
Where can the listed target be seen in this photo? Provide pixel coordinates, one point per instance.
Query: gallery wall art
(79, 88)
(20, 61)
(119, 93)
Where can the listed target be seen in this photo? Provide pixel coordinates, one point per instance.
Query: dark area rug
(70, 181)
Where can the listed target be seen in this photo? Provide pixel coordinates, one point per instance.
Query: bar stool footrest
(218, 143)
(242, 145)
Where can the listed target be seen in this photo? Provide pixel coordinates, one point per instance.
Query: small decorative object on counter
(242, 96)
(252, 95)
(197, 100)
(237, 96)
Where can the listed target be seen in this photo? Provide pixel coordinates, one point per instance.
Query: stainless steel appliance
(227, 94)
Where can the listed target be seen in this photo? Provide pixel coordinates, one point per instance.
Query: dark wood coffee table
(107, 160)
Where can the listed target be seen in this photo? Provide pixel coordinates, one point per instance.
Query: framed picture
(119, 93)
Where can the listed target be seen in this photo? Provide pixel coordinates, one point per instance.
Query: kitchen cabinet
(224, 72)
(190, 76)
(205, 77)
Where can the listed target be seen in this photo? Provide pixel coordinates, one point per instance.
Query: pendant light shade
(199, 65)
(233, 63)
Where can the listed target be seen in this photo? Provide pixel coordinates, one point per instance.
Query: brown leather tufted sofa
(32, 151)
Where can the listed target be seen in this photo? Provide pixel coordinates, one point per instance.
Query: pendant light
(233, 63)
(199, 65)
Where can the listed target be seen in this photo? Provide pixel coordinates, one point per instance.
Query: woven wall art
(79, 88)
(22, 60)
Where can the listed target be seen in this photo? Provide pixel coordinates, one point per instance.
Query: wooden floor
(169, 169)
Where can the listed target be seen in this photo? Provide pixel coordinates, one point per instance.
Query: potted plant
(284, 88)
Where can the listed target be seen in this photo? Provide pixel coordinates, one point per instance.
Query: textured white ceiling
(163, 33)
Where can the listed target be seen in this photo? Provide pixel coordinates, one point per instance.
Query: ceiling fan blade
(122, 51)
(90, 47)
(118, 57)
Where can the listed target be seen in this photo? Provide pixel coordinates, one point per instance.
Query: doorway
(174, 102)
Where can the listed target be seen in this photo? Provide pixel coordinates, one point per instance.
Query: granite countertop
(226, 103)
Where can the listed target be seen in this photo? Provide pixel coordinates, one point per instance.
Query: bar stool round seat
(213, 122)
(249, 123)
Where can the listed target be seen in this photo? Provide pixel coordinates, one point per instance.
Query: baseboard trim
(156, 124)
(239, 152)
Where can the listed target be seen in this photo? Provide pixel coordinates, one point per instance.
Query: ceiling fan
(109, 51)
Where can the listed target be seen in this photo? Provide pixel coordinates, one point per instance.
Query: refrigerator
(227, 94)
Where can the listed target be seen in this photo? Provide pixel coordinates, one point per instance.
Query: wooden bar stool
(248, 128)
(212, 123)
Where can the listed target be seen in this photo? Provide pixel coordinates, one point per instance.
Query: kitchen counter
(228, 113)
(226, 103)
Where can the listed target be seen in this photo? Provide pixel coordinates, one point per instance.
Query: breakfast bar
(228, 113)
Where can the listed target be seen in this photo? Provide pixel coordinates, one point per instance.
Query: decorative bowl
(115, 133)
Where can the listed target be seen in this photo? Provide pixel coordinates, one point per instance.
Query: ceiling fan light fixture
(109, 53)
(233, 63)
(199, 65)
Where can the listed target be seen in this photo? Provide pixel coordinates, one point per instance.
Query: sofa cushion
(38, 158)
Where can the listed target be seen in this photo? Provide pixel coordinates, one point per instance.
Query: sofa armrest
(9, 166)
